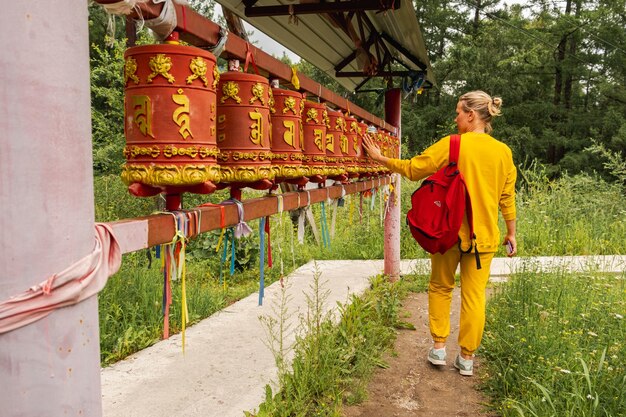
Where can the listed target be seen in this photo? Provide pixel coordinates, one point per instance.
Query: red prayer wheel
(336, 140)
(287, 134)
(387, 147)
(349, 156)
(370, 166)
(361, 155)
(243, 128)
(169, 123)
(314, 129)
(380, 141)
(395, 147)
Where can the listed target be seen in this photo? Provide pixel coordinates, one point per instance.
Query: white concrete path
(227, 364)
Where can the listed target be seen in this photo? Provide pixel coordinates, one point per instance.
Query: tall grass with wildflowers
(555, 345)
(572, 215)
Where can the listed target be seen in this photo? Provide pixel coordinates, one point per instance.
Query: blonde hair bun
(494, 106)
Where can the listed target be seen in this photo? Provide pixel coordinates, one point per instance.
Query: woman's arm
(416, 168)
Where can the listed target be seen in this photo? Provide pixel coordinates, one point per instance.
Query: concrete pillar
(50, 367)
(393, 115)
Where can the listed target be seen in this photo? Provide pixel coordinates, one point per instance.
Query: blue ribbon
(224, 252)
(325, 234)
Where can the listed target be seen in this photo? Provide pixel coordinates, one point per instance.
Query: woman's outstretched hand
(373, 151)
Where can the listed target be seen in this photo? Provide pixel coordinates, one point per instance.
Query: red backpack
(438, 207)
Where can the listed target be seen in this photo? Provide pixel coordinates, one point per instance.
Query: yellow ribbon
(294, 77)
(180, 271)
(219, 241)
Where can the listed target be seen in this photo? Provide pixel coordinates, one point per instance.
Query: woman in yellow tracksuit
(489, 172)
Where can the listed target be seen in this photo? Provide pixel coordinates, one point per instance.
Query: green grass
(332, 362)
(580, 215)
(555, 345)
(131, 304)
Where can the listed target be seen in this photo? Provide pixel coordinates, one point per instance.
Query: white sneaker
(437, 356)
(465, 366)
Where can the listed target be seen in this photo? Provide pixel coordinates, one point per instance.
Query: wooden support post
(50, 367)
(393, 112)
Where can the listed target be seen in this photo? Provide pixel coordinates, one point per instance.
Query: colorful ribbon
(250, 59)
(241, 228)
(324, 225)
(174, 269)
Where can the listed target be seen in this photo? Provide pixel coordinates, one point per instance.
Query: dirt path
(411, 386)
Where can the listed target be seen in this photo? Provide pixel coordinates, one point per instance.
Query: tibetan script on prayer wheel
(287, 134)
(336, 141)
(170, 115)
(314, 117)
(244, 128)
(350, 150)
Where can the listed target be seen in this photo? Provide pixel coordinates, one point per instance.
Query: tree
(107, 107)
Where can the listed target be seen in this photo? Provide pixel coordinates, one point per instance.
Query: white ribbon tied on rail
(241, 229)
(76, 283)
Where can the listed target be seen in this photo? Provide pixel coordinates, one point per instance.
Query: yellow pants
(473, 285)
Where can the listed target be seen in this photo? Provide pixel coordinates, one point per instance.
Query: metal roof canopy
(351, 40)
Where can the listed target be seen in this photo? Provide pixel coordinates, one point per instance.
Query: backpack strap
(455, 148)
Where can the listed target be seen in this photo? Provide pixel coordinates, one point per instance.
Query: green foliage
(554, 345)
(614, 162)
(205, 7)
(573, 215)
(107, 107)
(331, 361)
(114, 202)
(130, 305)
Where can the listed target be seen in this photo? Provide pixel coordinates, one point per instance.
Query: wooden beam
(322, 7)
(403, 50)
(157, 229)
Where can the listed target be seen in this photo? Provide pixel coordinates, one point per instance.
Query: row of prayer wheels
(190, 128)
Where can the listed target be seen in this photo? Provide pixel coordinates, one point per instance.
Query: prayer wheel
(243, 129)
(395, 147)
(287, 134)
(336, 140)
(314, 129)
(169, 123)
(378, 168)
(387, 149)
(369, 165)
(350, 153)
(361, 156)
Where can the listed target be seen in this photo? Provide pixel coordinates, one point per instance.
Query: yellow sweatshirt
(489, 172)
